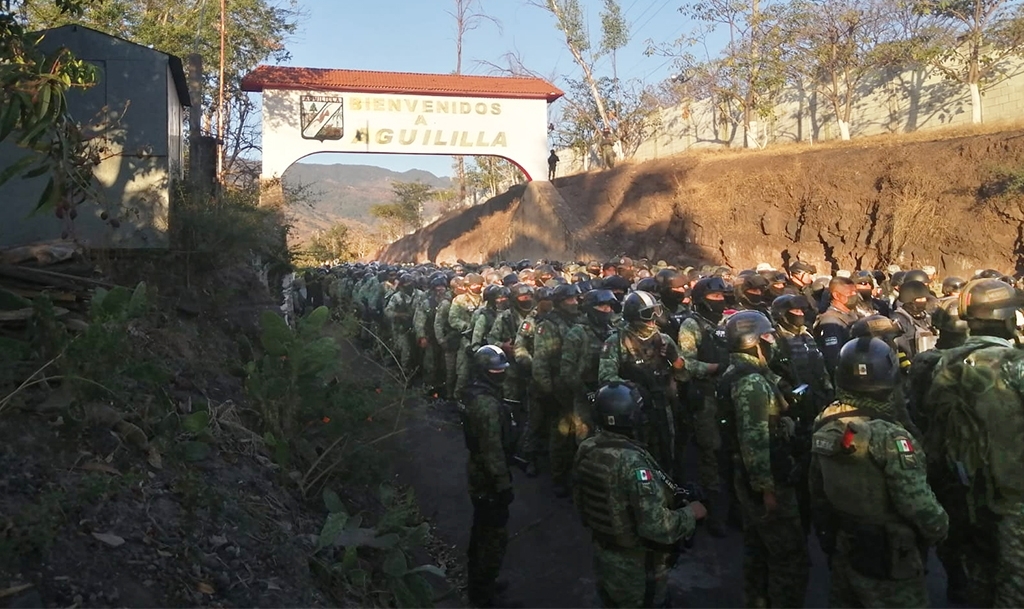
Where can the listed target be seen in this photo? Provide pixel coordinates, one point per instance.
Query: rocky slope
(951, 200)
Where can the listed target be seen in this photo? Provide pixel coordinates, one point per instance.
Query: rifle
(682, 496)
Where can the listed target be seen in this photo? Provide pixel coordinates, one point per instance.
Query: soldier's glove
(506, 496)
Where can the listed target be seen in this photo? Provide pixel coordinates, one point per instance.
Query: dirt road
(549, 559)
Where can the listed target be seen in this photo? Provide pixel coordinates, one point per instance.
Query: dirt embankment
(862, 204)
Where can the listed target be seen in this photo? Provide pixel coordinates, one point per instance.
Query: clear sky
(419, 36)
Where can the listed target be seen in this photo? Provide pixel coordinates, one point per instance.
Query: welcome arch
(311, 110)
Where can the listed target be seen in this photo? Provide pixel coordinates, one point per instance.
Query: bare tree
(468, 17)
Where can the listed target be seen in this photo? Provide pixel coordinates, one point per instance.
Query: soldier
(581, 356)
(946, 316)
(758, 434)
(555, 392)
(866, 286)
(975, 444)
(804, 378)
(398, 313)
(460, 316)
(625, 500)
(874, 512)
(607, 146)
(702, 346)
(832, 328)
(426, 337)
(503, 335)
(913, 319)
(639, 353)
(495, 300)
(751, 293)
(487, 425)
(449, 339)
(535, 439)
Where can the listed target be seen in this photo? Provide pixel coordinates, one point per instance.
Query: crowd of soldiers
(880, 409)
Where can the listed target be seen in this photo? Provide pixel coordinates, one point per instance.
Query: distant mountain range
(346, 192)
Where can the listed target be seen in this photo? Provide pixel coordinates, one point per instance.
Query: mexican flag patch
(644, 475)
(903, 446)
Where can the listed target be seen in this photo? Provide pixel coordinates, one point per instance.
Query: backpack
(977, 423)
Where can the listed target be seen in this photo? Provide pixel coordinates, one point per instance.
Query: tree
(257, 31)
(837, 45)
(406, 213)
(493, 174)
(331, 244)
(969, 41)
(468, 17)
(34, 113)
(635, 107)
(744, 79)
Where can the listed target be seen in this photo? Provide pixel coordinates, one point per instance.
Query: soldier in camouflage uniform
(449, 339)
(503, 335)
(460, 316)
(398, 314)
(757, 434)
(426, 337)
(556, 394)
(535, 439)
(581, 356)
(626, 502)
(495, 300)
(487, 425)
(874, 512)
(702, 346)
(639, 353)
(975, 442)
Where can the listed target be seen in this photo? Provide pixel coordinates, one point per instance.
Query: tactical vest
(713, 348)
(641, 362)
(474, 391)
(600, 485)
(804, 364)
(489, 315)
(977, 422)
(563, 326)
(431, 316)
(591, 369)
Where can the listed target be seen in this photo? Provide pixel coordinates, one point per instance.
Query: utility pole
(220, 99)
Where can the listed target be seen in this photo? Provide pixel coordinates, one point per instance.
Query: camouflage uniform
(488, 430)
(629, 356)
(775, 565)
(460, 315)
(975, 435)
(581, 357)
(873, 504)
(423, 322)
(398, 314)
(449, 342)
(620, 496)
(503, 335)
(556, 392)
(534, 444)
(701, 343)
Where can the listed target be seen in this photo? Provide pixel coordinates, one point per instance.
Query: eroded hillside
(953, 202)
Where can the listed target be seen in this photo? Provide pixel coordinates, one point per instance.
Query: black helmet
(617, 406)
(544, 272)
(641, 306)
(595, 298)
(493, 293)
(988, 274)
(544, 293)
(864, 278)
(565, 291)
(709, 285)
(952, 284)
(898, 278)
(744, 330)
(406, 279)
(510, 280)
(647, 284)
(615, 283)
(867, 365)
(877, 326)
(989, 299)
(916, 275)
(523, 264)
(752, 290)
(782, 306)
(670, 278)
(911, 290)
(490, 360)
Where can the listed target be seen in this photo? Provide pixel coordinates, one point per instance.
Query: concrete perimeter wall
(887, 102)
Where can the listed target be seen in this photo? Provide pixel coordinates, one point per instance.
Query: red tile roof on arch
(403, 83)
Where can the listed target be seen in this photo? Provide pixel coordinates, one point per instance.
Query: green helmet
(989, 299)
(617, 406)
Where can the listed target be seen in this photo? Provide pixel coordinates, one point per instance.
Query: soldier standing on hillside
(607, 146)
(552, 164)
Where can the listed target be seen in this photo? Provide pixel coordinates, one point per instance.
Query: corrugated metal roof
(407, 83)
